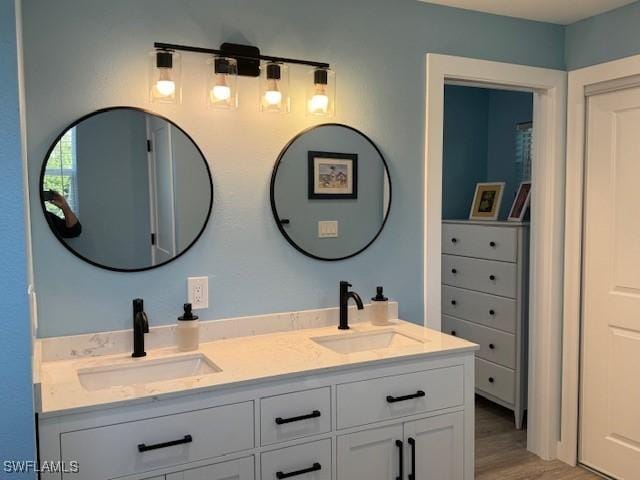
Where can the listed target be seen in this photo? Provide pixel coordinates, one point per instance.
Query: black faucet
(345, 295)
(140, 327)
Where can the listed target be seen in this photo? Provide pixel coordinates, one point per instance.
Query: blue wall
(378, 49)
(16, 394)
(479, 144)
(608, 36)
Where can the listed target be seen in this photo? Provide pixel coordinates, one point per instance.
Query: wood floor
(501, 452)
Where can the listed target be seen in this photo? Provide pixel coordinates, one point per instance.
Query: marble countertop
(242, 360)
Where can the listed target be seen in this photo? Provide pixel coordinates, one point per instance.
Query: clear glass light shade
(321, 93)
(274, 88)
(165, 75)
(222, 87)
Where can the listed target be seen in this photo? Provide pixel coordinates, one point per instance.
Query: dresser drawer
(242, 469)
(295, 415)
(495, 346)
(310, 461)
(489, 310)
(498, 278)
(369, 401)
(114, 450)
(480, 241)
(496, 380)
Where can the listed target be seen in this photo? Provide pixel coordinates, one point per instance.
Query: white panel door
(370, 455)
(610, 368)
(435, 447)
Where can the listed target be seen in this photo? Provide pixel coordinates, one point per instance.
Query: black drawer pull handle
(282, 421)
(401, 460)
(492, 277)
(412, 442)
(454, 271)
(492, 244)
(418, 394)
(492, 312)
(454, 240)
(453, 302)
(492, 346)
(145, 448)
(491, 380)
(314, 468)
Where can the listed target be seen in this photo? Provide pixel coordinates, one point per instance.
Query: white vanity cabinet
(362, 422)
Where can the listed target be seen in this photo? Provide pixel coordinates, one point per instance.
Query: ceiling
(562, 12)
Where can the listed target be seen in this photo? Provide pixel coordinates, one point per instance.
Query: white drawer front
(242, 469)
(498, 278)
(491, 243)
(489, 310)
(495, 346)
(310, 461)
(295, 415)
(496, 380)
(369, 401)
(114, 450)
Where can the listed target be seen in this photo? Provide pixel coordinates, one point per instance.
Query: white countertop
(243, 360)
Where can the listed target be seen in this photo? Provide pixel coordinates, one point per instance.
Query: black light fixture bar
(230, 51)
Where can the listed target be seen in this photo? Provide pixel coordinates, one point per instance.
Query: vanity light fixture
(321, 94)
(245, 60)
(274, 88)
(222, 88)
(164, 76)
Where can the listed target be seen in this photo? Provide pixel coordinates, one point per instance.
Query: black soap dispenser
(379, 313)
(188, 330)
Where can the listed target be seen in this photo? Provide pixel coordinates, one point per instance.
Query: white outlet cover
(327, 228)
(198, 292)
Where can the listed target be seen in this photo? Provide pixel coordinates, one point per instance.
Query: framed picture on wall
(486, 201)
(333, 175)
(520, 203)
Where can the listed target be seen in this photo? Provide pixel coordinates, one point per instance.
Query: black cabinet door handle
(454, 240)
(282, 421)
(412, 442)
(418, 394)
(145, 448)
(453, 302)
(314, 468)
(454, 271)
(492, 312)
(492, 346)
(492, 277)
(491, 380)
(400, 446)
(492, 244)
(453, 333)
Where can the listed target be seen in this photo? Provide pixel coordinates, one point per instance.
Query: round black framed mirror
(331, 192)
(125, 189)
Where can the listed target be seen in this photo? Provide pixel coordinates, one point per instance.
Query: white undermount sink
(140, 372)
(366, 341)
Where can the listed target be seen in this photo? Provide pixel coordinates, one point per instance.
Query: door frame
(607, 76)
(547, 220)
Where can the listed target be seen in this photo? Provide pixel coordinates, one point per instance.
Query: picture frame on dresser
(520, 203)
(486, 201)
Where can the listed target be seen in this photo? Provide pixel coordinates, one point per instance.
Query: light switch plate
(327, 228)
(198, 292)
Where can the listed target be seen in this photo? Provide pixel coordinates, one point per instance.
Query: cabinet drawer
(310, 461)
(241, 469)
(488, 310)
(369, 401)
(496, 380)
(480, 241)
(498, 278)
(495, 346)
(295, 415)
(114, 450)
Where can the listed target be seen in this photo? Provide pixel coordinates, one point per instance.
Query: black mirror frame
(280, 224)
(82, 257)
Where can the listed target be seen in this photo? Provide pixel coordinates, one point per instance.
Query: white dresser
(485, 300)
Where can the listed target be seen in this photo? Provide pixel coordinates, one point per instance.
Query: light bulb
(273, 97)
(165, 86)
(220, 93)
(319, 103)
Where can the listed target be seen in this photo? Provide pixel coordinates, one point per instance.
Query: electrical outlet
(327, 228)
(198, 292)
